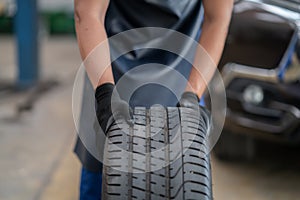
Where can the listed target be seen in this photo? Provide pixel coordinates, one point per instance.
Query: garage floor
(36, 156)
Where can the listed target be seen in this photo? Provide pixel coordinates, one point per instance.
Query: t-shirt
(184, 16)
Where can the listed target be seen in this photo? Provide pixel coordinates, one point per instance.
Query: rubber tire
(187, 170)
(234, 146)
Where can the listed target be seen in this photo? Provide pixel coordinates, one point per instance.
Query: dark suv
(261, 71)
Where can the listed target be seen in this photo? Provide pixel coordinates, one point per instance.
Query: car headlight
(253, 94)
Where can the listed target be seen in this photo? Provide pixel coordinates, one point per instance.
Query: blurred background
(257, 156)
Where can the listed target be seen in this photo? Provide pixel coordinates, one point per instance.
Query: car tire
(232, 146)
(134, 170)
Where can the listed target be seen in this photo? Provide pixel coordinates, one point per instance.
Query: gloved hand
(110, 107)
(191, 100)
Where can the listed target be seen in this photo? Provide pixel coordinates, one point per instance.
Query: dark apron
(184, 16)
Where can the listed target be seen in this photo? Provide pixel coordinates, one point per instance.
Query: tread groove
(167, 156)
(181, 142)
(148, 156)
(130, 161)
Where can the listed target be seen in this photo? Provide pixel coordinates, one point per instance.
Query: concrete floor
(36, 146)
(273, 174)
(36, 156)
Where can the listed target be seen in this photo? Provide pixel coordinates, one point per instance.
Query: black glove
(110, 107)
(191, 100)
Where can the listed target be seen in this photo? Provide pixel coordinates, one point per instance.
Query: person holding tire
(205, 21)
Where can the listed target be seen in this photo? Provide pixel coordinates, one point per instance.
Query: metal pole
(26, 26)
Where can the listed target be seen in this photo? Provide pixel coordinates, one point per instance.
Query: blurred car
(261, 72)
